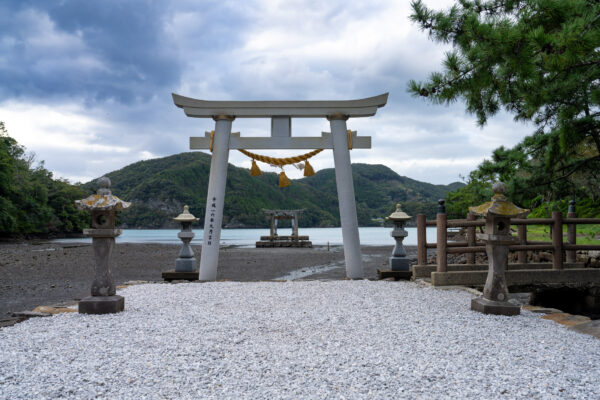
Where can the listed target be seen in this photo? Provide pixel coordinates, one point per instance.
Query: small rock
(589, 328)
(567, 319)
(541, 310)
(53, 310)
(10, 321)
(30, 314)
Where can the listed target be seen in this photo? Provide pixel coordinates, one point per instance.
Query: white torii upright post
(215, 198)
(346, 199)
(281, 114)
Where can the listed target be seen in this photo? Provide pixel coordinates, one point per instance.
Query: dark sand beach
(34, 274)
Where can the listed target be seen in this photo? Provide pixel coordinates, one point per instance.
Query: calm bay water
(370, 236)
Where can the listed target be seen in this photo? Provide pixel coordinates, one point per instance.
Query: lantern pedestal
(103, 206)
(495, 292)
(398, 260)
(186, 261)
(103, 299)
(186, 265)
(399, 263)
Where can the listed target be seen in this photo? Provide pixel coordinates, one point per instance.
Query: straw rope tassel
(283, 180)
(308, 169)
(254, 170)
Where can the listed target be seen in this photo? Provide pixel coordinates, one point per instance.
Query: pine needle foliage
(540, 61)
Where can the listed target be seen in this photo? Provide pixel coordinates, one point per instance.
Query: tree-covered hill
(160, 187)
(32, 203)
(377, 189)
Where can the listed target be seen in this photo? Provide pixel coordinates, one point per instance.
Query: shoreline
(45, 273)
(370, 236)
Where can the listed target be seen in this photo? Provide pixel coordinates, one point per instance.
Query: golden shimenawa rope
(280, 161)
(258, 156)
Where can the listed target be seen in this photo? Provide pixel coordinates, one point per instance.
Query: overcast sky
(86, 85)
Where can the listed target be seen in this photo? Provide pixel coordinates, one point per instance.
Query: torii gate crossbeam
(281, 114)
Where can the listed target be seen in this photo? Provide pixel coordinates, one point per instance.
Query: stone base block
(400, 264)
(397, 275)
(186, 265)
(486, 306)
(102, 305)
(284, 243)
(180, 276)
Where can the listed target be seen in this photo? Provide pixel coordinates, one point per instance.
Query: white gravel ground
(269, 340)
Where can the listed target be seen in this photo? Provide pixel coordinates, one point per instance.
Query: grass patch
(586, 234)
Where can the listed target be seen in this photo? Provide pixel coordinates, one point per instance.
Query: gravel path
(310, 339)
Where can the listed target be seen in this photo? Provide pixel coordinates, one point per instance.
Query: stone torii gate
(281, 114)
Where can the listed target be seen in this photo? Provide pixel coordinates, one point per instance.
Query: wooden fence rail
(472, 245)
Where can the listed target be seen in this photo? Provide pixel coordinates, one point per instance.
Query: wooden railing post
(471, 240)
(571, 233)
(421, 239)
(522, 254)
(557, 240)
(441, 223)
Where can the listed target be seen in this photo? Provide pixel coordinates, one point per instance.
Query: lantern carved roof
(103, 199)
(185, 216)
(499, 205)
(398, 215)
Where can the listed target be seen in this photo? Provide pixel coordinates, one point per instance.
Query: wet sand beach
(34, 274)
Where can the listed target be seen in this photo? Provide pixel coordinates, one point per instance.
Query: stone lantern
(103, 207)
(497, 238)
(186, 266)
(398, 260)
(186, 261)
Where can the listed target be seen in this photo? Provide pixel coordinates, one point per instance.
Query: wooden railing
(472, 245)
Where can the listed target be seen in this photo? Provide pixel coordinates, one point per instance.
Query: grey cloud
(122, 59)
(119, 50)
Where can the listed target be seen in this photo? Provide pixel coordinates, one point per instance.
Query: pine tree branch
(577, 166)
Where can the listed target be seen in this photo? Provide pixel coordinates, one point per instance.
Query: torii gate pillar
(281, 114)
(215, 198)
(345, 190)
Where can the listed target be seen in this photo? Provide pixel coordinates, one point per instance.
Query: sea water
(369, 236)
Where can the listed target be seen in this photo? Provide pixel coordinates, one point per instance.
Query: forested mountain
(160, 187)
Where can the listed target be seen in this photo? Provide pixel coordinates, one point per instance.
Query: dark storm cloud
(96, 50)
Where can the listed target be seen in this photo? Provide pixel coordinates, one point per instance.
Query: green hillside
(160, 187)
(32, 202)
